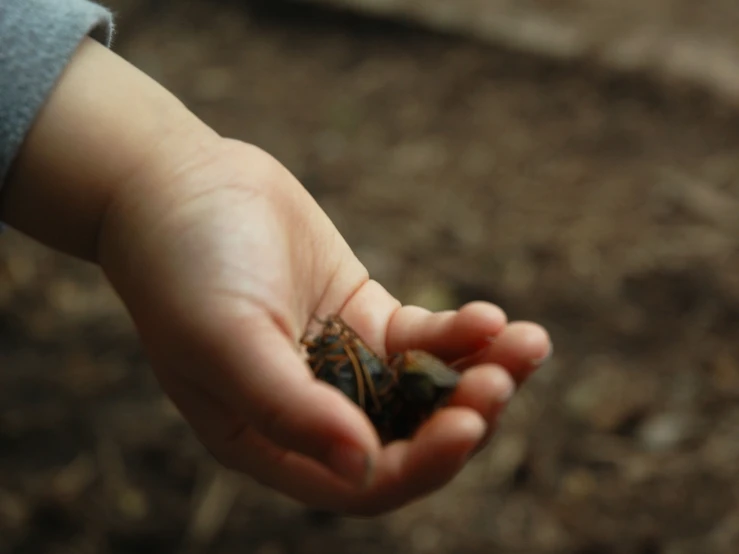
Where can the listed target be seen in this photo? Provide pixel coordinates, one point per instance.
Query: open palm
(222, 269)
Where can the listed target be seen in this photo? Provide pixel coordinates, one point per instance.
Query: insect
(398, 392)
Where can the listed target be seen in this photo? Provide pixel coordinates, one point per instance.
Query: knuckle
(274, 423)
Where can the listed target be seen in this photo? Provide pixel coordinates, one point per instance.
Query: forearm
(105, 125)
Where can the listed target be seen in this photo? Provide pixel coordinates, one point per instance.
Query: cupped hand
(222, 262)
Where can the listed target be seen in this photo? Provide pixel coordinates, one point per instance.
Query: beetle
(398, 392)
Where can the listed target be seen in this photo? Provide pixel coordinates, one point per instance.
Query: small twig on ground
(701, 199)
(212, 502)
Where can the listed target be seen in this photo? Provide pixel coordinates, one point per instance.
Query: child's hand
(222, 258)
(222, 264)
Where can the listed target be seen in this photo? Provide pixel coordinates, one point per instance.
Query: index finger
(450, 335)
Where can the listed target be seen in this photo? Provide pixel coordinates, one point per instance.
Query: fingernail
(545, 358)
(505, 385)
(482, 443)
(476, 428)
(352, 464)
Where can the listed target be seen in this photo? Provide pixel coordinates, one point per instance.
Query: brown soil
(605, 207)
(672, 39)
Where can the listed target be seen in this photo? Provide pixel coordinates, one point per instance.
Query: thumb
(263, 378)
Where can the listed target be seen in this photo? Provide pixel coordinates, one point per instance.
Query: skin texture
(222, 257)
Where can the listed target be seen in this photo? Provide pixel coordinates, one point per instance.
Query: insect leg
(371, 386)
(358, 372)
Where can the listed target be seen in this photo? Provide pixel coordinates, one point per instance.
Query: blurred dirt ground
(604, 206)
(682, 40)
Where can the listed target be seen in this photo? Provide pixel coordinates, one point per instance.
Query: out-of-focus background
(574, 161)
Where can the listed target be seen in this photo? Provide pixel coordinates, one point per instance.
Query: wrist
(104, 126)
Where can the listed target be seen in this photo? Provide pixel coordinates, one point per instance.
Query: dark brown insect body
(397, 393)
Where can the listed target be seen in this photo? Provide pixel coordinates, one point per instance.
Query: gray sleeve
(37, 40)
